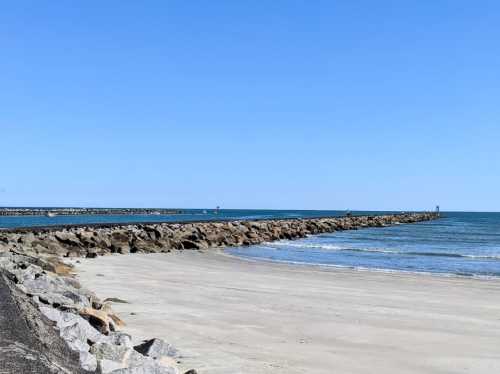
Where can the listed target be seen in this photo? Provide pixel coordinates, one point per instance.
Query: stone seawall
(92, 241)
(28, 344)
(50, 324)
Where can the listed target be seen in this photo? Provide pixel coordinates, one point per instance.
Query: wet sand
(227, 315)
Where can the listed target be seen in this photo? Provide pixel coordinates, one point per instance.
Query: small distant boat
(51, 214)
(156, 213)
(205, 212)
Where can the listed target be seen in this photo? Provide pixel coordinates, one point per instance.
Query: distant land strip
(85, 211)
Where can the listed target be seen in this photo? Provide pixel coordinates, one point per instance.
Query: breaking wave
(331, 247)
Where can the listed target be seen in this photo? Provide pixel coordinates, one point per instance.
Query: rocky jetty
(51, 212)
(50, 324)
(95, 240)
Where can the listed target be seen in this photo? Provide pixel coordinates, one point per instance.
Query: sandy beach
(228, 315)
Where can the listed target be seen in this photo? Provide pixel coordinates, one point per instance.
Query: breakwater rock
(28, 344)
(50, 324)
(92, 241)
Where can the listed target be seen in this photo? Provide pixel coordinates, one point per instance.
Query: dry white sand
(228, 315)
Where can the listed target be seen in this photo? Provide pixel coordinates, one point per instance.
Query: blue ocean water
(188, 215)
(459, 243)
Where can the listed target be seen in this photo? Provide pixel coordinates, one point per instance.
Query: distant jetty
(52, 212)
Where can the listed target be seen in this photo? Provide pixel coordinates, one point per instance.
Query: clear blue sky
(251, 104)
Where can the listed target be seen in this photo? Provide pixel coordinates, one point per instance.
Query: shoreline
(228, 314)
(222, 252)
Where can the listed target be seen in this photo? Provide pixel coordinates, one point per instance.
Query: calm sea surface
(189, 215)
(459, 243)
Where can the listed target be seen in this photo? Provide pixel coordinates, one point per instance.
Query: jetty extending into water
(51, 212)
(100, 239)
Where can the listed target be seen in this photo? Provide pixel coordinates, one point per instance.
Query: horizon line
(248, 209)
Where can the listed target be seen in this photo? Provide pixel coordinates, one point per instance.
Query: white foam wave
(331, 247)
(366, 269)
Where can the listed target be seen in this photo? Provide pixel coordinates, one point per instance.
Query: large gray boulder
(28, 343)
(53, 290)
(156, 348)
(148, 367)
(77, 333)
(112, 357)
(122, 359)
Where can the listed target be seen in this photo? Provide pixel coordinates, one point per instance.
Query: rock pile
(87, 324)
(92, 241)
